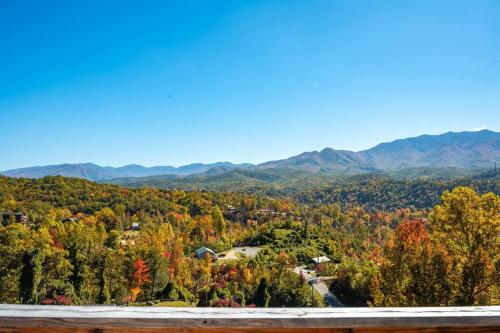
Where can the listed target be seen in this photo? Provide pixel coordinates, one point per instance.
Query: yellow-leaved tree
(468, 225)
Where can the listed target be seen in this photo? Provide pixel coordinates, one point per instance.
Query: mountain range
(95, 172)
(455, 150)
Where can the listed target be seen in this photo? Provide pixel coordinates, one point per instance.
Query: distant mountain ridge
(95, 172)
(328, 161)
(456, 150)
(459, 150)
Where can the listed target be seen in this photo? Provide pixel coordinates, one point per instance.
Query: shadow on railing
(33, 318)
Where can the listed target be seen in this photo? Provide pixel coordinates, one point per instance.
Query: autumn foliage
(78, 247)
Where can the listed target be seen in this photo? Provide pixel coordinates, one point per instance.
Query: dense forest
(415, 188)
(390, 242)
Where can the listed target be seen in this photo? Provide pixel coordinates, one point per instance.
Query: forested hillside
(72, 241)
(404, 189)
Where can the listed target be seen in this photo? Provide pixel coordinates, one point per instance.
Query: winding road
(318, 283)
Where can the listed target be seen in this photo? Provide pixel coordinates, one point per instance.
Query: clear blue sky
(170, 83)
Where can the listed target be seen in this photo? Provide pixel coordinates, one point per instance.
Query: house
(127, 242)
(320, 260)
(5, 216)
(136, 226)
(70, 219)
(204, 251)
(18, 217)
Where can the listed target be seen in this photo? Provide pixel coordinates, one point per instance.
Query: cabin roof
(321, 259)
(204, 249)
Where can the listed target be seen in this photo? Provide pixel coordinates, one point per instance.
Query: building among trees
(204, 251)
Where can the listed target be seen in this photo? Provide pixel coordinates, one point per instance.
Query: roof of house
(320, 259)
(203, 249)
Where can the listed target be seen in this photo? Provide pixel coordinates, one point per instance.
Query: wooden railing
(33, 318)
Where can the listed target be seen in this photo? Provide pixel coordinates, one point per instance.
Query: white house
(320, 260)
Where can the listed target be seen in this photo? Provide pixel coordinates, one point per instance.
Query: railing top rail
(99, 311)
(144, 317)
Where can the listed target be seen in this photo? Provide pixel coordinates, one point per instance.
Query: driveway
(318, 283)
(238, 252)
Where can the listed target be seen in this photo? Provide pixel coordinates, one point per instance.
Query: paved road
(317, 282)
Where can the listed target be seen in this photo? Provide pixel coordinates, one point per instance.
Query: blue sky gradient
(171, 83)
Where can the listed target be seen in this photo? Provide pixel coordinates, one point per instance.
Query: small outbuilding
(204, 251)
(320, 260)
(136, 226)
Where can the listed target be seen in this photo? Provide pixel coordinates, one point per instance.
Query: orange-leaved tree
(415, 271)
(140, 277)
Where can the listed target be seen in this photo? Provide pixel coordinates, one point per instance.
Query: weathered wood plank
(253, 330)
(22, 318)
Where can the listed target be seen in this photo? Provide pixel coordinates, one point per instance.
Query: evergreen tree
(262, 296)
(170, 292)
(104, 292)
(31, 277)
(305, 231)
(157, 270)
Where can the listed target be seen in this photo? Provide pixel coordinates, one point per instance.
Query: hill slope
(371, 190)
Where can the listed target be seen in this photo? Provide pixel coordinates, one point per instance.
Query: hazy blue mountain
(459, 150)
(328, 161)
(98, 173)
(462, 150)
(466, 150)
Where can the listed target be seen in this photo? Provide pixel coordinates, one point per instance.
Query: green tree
(218, 221)
(31, 277)
(104, 292)
(13, 244)
(84, 250)
(157, 269)
(110, 220)
(262, 296)
(170, 292)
